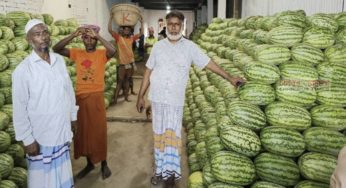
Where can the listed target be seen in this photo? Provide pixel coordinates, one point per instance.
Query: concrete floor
(130, 150)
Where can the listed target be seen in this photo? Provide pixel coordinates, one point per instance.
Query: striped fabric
(51, 168)
(167, 122)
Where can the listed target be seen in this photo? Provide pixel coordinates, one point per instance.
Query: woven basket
(125, 14)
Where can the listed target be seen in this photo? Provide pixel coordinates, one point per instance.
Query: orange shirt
(125, 48)
(90, 68)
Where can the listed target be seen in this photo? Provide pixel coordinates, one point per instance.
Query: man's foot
(170, 182)
(133, 93)
(105, 171)
(155, 180)
(85, 171)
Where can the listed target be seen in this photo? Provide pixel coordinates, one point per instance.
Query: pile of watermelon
(13, 49)
(285, 126)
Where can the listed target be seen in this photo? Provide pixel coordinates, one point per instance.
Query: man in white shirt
(43, 111)
(167, 73)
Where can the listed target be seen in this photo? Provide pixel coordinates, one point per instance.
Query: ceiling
(174, 4)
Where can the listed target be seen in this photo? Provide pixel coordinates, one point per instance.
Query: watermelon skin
(297, 71)
(317, 166)
(10, 131)
(264, 184)
(6, 165)
(288, 115)
(214, 145)
(323, 22)
(224, 163)
(16, 151)
(196, 180)
(19, 176)
(8, 184)
(4, 121)
(285, 35)
(261, 72)
(5, 141)
(282, 141)
(329, 117)
(332, 95)
(223, 185)
(319, 38)
(193, 163)
(272, 54)
(333, 73)
(201, 153)
(324, 140)
(246, 115)
(336, 54)
(296, 92)
(291, 18)
(307, 55)
(241, 140)
(277, 169)
(208, 177)
(311, 184)
(257, 93)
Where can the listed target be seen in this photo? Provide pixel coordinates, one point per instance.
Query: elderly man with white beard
(167, 74)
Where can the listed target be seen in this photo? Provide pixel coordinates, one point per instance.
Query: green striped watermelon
(329, 116)
(225, 163)
(208, 177)
(272, 54)
(332, 95)
(307, 54)
(6, 165)
(193, 163)
(288, 115)
(296, 71)
(264, 184)
(246, 115)
(319, 38)
(19, 176)
(311, 184)
(323, 22)
(4, 63)
(196, 180)
(4, 121)
(332, 72)
(10, 131)
(324, 140)
(201, 153)
(16, 151)
(336, 54)
(241, 140)
(282, 141)
(214, 145)
(286, 35)
(257, 93)
(8, 184)
(277, 169)
(261, 72)
(223, 185)
(5, 141)
(291, 18)
(317, 166)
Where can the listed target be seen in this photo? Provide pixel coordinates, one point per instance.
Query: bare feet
(85, 171)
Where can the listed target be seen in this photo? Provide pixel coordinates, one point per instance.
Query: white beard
(174, 37)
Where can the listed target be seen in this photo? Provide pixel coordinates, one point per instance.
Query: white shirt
(43, 101)
(170, 64)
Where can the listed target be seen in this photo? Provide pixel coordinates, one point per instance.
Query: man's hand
(237, 81)
(140, 104)
(74, 126)
(79, 32)
(32, 149)
(91, 33)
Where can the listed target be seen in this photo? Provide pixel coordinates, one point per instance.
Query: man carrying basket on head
(126, 59)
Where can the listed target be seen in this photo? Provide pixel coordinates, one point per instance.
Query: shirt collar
(182, 39)
(36, 58)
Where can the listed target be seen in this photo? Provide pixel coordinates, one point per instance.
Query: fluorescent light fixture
(168, 7)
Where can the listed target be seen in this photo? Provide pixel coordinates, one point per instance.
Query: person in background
(44, 110)
(150, 40)
(91, 136)
(125, 56)
(338, 179)
(162, 34)
(167, 74)
(141, 45)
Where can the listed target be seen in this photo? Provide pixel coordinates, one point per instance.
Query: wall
(24, 5)
(270, 7)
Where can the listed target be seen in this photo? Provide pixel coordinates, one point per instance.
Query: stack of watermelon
(284, 127)
(13, 49)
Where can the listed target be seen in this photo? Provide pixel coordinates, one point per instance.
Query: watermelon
(48, 19)
(324, 140)
(332, 73)
(16, 151)
(208, 177)
(4, 120)
(323, 22)
(319, 38)
(311, 184)
(329, 116)
(336, 54)
(277, 169)
(257, 93)
(10, 131)
(193, 163)
(272, 54)
(241, 140)
(331, 95)
(316, 166)
(225, 163)
(282, 141)
(285, 35)
(288, 115)
(19, 176)
(246, 115)
(6, 165)
(4, 63)
(5, 141)
(307, 54)
(8, 184)
(264, 184)
(2, 101)
(214, 145)
(291, 18)
(201, 153)
(261, 72)
(196, 180)
(7, 109)
(223, 185)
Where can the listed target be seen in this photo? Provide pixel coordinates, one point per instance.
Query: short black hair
(175, 14)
